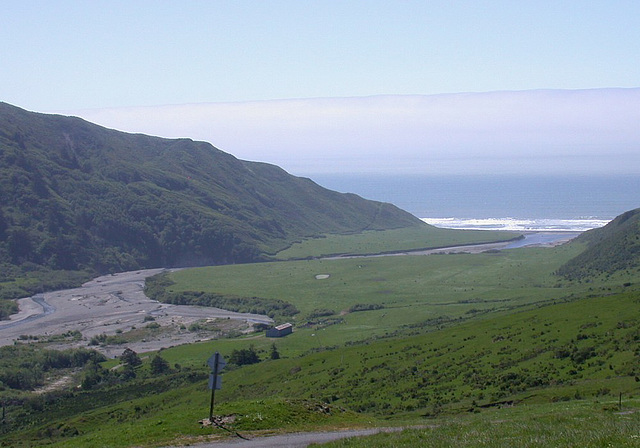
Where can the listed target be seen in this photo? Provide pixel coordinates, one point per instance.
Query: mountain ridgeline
(610, 249)
(79, 196)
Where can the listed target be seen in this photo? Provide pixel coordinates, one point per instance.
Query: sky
(338, 85)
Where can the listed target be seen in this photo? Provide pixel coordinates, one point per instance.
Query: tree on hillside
(3, 226)
(131, 358)
(244, 356)
(93, 375)
(274, 352)
(19, 245)
(159, 365)
(128, 372)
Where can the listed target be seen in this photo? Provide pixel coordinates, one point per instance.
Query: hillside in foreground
(565, 349)
(580, 355)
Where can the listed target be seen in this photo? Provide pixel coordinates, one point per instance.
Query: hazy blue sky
(73, 55)
(90, 54)
(545, 131)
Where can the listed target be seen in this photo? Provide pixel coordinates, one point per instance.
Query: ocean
(568, 203)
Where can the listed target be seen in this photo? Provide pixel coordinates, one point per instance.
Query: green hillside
(608, 250)
(444, 341)
(548, 354)
(79, 197)
(499, 348)
(551, 368)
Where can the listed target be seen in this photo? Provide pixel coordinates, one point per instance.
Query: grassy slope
(587, 424)
(531, 357)
(583, 348)
(608, 250)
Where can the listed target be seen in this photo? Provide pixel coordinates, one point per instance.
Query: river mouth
(543, 239)
(528, 239)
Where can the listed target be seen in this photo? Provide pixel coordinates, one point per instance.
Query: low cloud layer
(543, 131)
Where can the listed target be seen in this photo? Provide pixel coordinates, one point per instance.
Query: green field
(489, 349)
(384, 241)
(520, 369)
(412, 291)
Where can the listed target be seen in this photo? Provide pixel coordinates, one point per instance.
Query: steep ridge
(614, 247)
(79, 196)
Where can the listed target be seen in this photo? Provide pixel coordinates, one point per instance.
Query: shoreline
(544, 239)
(521, 225)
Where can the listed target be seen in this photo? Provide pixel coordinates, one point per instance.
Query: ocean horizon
(570, 203)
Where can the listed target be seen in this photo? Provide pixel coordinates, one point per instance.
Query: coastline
(522, 225)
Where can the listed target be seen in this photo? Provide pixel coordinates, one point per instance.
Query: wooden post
(620, 401)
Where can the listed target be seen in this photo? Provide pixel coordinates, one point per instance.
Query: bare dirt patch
(116, 305)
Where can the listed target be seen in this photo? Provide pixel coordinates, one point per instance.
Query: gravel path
(294, 440)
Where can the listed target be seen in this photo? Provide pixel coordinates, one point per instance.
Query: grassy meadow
(411, 293)
(489, 349)
(382, 241)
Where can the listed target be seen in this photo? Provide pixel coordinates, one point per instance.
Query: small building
(280, 331)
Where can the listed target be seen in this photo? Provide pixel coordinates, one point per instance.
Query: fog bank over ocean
(502, 202)
(538, 131)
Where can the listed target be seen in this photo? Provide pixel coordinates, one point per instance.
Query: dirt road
(294, 440)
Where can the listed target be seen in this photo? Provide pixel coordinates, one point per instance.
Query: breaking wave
(516, 224)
